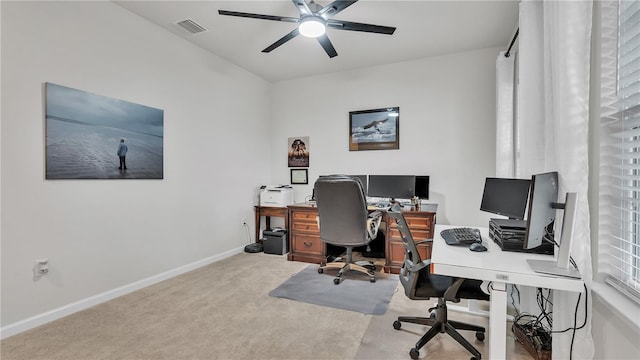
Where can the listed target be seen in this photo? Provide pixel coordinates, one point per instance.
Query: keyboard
(461, 236)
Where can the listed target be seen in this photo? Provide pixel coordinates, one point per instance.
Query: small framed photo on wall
(299, 176)
(298, 152)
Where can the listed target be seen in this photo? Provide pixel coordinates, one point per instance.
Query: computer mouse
(477, 246)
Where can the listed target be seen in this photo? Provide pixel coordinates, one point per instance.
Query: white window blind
(619, 248)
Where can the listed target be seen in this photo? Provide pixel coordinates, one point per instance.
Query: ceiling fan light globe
(311, 27)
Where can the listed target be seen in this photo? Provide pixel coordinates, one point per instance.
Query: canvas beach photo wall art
(89, 136)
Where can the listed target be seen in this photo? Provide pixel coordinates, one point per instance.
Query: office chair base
(366, 268)
(440, 324)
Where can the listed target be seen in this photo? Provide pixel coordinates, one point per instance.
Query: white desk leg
(498, 321)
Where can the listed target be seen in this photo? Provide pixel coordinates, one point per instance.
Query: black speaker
(422, 187)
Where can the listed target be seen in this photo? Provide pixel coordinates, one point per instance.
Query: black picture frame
(299, 176)
(376, 129)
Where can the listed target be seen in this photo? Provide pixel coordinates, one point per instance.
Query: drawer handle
(307, 244)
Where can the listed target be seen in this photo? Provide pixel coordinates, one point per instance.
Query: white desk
(499, 267)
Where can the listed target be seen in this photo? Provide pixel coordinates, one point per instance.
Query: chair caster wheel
(480, 336)
(320, 270)
(474, 358)
(414, 353)
(397, 325)
(372, 280)
(432, 316)
(336, 281)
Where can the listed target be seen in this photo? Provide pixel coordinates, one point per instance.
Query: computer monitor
(422, 187)
(392, 186)
(505, 196)
(542, 209)
(561, 266)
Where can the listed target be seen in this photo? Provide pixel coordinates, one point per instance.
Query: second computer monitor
(542, 210)
(392, 186)
(505, 196)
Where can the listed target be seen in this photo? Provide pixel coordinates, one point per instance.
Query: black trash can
(275, 241)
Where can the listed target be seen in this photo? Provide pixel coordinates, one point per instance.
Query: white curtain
(551, 130)
(567, 42)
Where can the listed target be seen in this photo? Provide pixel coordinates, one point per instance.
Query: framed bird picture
(377, 129)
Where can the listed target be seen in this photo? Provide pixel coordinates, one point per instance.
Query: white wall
(103, 234)
(447, 126)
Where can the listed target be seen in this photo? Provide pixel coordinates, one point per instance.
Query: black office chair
(420, 284)
(344, 220)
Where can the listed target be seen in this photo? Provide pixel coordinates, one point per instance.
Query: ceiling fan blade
(258, 16)
(281, 41)
(327, 45)
(353, 26)
(302, 6)
(335, 7)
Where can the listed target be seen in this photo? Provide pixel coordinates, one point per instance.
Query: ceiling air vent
(191, 26)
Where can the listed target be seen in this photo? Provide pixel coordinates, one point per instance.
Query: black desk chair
(344, 220)
(420, 284)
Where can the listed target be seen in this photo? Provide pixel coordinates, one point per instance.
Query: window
(619, 248)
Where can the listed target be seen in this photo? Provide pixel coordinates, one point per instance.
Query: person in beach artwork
(122, 153)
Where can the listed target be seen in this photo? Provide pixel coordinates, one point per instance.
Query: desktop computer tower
(509, 235)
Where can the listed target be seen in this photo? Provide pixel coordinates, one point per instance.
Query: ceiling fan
(313, 22)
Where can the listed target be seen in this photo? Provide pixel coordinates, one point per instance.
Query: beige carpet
(223, 311)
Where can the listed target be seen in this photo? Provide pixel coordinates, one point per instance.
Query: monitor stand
(562, 266)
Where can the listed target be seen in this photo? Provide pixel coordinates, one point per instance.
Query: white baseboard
(41, 319)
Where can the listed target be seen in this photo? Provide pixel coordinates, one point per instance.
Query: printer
(276, 195)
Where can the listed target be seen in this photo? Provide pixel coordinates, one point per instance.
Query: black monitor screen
(542, 213)
(422, 187)
(507, 197)
(392, 186)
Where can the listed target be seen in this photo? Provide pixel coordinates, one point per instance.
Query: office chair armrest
(452, 292)
(424, 241)
(373, 223)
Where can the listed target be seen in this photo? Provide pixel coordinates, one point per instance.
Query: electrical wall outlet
(42, 266)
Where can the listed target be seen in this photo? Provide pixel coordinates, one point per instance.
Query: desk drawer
(306, 216)
(306, 226)
(420, 222)
(396, 250)
(418, 234)
(306, 243)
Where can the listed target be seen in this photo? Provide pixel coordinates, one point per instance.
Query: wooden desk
(305, 244)
(421, 222)
(499, 268)
(267, 212)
